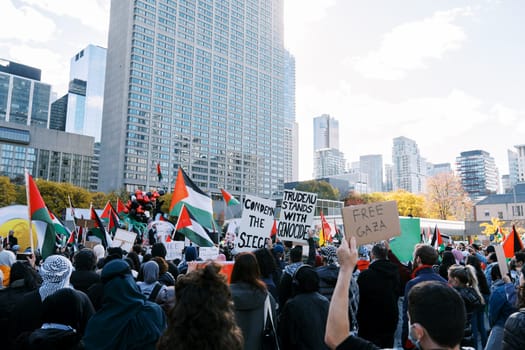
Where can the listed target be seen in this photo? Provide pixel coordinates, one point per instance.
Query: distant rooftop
(20, 70)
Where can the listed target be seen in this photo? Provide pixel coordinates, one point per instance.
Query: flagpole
(29, 216)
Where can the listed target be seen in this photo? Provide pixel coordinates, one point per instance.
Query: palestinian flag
(189, 227)
(273, 233)
(60, 229)
(437, 240)
(106, 212)
(113, 222)
(98, 229)
(198, 203)
(121, 208)
(39, 212)
(326, 229)
(228, 198)
(512, 243)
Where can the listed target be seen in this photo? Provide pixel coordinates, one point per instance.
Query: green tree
(446, 198)
(323, 189)
(8, 192)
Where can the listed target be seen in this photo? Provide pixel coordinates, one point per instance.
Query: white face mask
(411, 335)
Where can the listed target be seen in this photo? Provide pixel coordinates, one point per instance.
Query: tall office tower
(409, 168)
(291, 141)
(197, 85)
(23, 98)
(389, 178)
(478, 173)
(326, 132)
(513, 167)
(505, 184)
(58, 114)
(372, 165)
(26, 141)
(520, 150)
(85, 116)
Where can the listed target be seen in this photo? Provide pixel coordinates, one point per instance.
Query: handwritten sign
(256, 223)
(124, 239)
(297, 214)
(372, 222)
(208, 253)
(174, 249)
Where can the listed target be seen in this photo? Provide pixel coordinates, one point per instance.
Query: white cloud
(412, 45)
(300, 15)
(91, 13)
(24, 24)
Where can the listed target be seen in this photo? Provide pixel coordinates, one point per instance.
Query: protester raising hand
(347, 254)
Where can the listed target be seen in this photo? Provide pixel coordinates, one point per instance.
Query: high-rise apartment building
(514, 167)
(478, 173)
(409, 168)
(435, 169)
(520, 150)
(388, 186)
(372, 165)
(197, 85)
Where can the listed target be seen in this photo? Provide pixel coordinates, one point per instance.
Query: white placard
(256, 223)
(174, 249)
(208, 253)
(297, 214)
(124, 239)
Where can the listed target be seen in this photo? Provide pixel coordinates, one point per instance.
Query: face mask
(412, 337)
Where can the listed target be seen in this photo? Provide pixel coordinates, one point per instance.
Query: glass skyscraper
(478, 173)
(197, 85)
(408, 167)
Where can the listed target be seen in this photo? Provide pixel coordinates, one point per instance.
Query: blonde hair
(466, 275)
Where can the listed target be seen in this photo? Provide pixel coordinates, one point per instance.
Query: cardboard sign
(174, 249)
(372, 222)
(502, 261)
(208, 253)
(297, 214)
(90, 244)
(124, 239)
(256, 223)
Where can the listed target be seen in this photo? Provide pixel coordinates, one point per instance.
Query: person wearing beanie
(127, 319)
(190, 254)
(302, 321)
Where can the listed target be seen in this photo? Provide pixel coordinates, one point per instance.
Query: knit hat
(55, 271)
(278, 248)
(329, 252)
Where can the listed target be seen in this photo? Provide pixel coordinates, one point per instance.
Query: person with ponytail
(464, 280)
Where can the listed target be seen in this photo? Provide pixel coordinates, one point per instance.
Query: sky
(448, 74)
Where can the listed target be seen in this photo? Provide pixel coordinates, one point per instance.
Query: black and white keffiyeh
(55, 271)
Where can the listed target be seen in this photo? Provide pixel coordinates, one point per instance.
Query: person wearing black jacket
(379, 289)
(514, 331)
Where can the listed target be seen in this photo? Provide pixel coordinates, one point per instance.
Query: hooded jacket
(514, 332)
(379, 289)
(249, 302)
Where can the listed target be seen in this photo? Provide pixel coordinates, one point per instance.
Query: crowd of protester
(338, 296)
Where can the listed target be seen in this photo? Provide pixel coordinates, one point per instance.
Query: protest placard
(502, 261)
(124, 239)
(256, 223)
(372, 222)
(208, 253)
(297, 214)
(174, 250)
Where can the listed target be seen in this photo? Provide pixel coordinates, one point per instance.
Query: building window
(517, 210)
(487, 213)
(500, 215)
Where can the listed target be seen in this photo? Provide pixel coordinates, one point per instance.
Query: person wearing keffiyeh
(28, 312)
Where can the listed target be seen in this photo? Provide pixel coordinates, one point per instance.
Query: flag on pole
(98, 229)
(60, 229)
(113, 222)
(198, 203)
(39, 212)
(512, 243)
(189, 227)
(228, 198)
(107, 210)
(159, 173)
(437, 240)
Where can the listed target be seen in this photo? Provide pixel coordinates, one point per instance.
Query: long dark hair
(480, 275)
(203, 316)
(246, 269)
